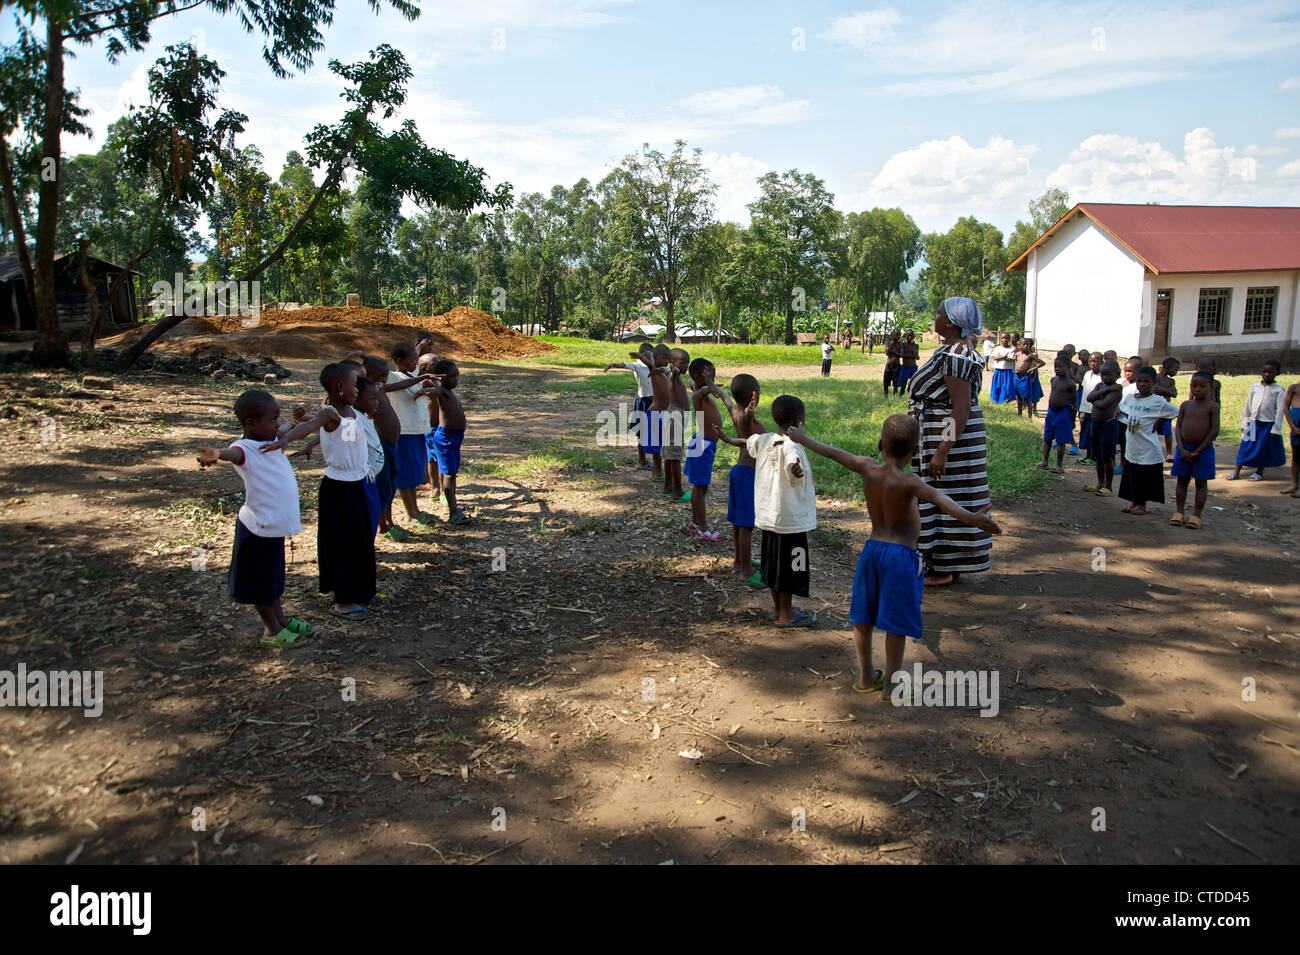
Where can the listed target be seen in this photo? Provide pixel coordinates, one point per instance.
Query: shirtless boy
(1058, 425)
(740, 480)
(1194, 433)
(1105, 400)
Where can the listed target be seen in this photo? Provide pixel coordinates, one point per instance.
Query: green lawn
(585, 353)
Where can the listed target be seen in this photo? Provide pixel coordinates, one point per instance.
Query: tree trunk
(670, 331)
(16, 220)
(50, 348)
(155, 332)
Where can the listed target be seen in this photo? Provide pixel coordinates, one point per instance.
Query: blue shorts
(373, 505)
(256, 574)
(1103, 440)
(740, 495)
(1058, 426)
(446, 445)
(650, 439)
(1085, 432)
(640, 420)
(1166, 427)
(887, 589)
(409, 455)
(430, 447)
(1202, 469)
(698, 469)
(387, 474)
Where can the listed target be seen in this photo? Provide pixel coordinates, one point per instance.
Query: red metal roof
(1195, 238)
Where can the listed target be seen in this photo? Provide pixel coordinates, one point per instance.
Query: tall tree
(969, 260)
(883, 245)
(661, 206)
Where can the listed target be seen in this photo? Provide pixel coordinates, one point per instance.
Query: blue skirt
(1266, 451)
(1003, 388)
(1028, 387)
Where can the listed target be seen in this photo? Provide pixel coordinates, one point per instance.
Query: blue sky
(944, 109)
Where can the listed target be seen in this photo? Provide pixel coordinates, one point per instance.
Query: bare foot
(938, 580)
(1291, 490)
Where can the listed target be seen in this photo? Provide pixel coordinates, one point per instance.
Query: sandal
(1105, 492)
(361, 613)
(299, 627)
(804, 619)
(877, 683)
(911, 694)
(428, 520)
(1139, 510)
(708, 534)
(1177, 519)
(1127, 509)
(398, 534)
(756, 581)
(1091, 488)
(1255, 477)
(1193, 523)
(286, 639)
(460, 517)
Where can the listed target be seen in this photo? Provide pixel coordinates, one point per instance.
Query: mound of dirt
(326, 333)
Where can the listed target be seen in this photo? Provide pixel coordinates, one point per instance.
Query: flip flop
(361, 613)
(912, 693)
(460, 517)
(1085, 461)
(1058, 470)
(1041, 464)
(756, 581)
(428, 520)
(399, 534)
(1127, 509)
(684, 499)
(286, 639)
(708, 534)
(1255, 477)
(1232, 477)
(1104, 492)
(804, 619)
(1193, 523)
(300, 627)
(1177, 519)
(1139, 510)
(877, 683)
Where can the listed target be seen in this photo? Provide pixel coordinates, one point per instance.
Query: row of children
(771, 488)
(1015, 372)
(375, 448)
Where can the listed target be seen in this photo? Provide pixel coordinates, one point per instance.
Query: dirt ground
(505, 717)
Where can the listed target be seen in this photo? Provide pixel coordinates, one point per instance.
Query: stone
(100, 383)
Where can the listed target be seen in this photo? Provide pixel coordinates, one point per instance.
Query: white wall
(1089, 291)
(1187, 295)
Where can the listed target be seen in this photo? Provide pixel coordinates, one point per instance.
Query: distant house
(17, 313)
(1188, 281)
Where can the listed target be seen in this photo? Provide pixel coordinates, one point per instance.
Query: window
(1261, 306)
(1212, 311)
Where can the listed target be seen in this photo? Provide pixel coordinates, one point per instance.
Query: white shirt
(643, 387)
(344, 450)
(1263, 404)
(1143, 444)
(828, 350)
(1001, 359)
(1131, 389)
(1091, 379)
(270, 491)
(374, 448)
(783, 503)
(987, 348)
(412, 412)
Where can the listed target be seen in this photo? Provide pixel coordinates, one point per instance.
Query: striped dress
(950, 547)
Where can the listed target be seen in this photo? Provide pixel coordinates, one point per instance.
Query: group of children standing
(383, 433)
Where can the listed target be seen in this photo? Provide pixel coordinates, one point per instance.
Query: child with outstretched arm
(642, 367)
(674, 425)
(404, 386)
(269, 515)
(660, 397)
(449, 436)
(698, 468)
(740, 480)
(887, 587)
(1194, 433)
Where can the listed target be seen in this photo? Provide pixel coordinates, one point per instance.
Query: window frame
(1225, 315)
(1272, 318)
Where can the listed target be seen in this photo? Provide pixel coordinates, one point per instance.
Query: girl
(1003, 388)
(345, 540)
(1261, 425)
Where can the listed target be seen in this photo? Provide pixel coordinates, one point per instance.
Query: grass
(554, 456)
(585, 353)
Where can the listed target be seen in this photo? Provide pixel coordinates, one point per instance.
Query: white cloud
(1291, 132)
(1290, 85)
(746, 106)
(1112, 168)
(1290, 171)
(1026, 50)
(943, 179)
(736, 176)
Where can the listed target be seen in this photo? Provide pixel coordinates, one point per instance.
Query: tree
(662, 203)
(291, 29)
(883, 245)
(796, 227)
(969, 260)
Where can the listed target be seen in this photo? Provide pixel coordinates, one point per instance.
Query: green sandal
(877, 683)
(300, 627)
(756, 581)
(286, 639)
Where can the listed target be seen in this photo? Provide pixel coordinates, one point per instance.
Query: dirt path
(505, 716)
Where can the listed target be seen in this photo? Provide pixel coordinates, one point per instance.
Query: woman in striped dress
(945, 399)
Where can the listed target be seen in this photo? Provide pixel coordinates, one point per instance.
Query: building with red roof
(1154, 280)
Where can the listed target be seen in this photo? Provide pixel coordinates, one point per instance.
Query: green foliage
(970, 260)
(883, 245)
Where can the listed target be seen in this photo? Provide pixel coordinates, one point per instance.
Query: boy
(887, 587)
(740, 480)
(1091, 379)
(661, 395)
(642, 367)
(1058, 424)
(269, 515)
(1291, 407)
(410, 452)
(1077, 371)
(424, 369)
(389, 429)
(450, 434)
(893, 359)
(910, 354)
(367, 404)
(1194, 434)
(674, 426)
(1261, 425)
(1166, 388)
(785, 510)
(1104, 399)
(828, 354)
(1210, 366)
(1143, 480)
(704, 446)
(1028, 388)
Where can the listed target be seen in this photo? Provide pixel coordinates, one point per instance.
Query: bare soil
(520, 698)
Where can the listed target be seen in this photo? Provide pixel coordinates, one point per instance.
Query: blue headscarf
(965, 314)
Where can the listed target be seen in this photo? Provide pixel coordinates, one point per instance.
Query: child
(389, 429)
(660, 396)
(887, 587)
(345, 543)
(1003, 387)
(368, 404)
(910, 354)
(785, 510)
(1104, 399)
(269, 515)
(424, 369)
(740, 480)
(1291, 404)
(1166, 388)
(410, 452)
(1110, 355)
(1028, 388)
(1091, 379)
(699, 456)
(1143, 480)
(644, 397)
(1058, 424)
(828, 354)
(1211, 366)
(674, 426)
(1077, 371)
(450, 433)
(1261, 425)
(893, 359)
(1129, 387)
(1194, 434)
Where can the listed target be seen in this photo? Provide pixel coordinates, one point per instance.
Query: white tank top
(344, 450)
